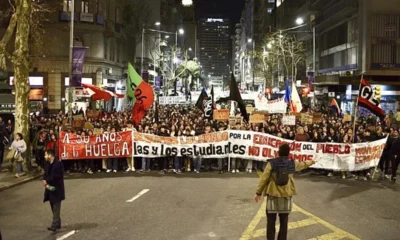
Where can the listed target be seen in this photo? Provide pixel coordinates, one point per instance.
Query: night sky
(231, 9)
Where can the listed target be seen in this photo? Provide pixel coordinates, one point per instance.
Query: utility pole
(71, 47)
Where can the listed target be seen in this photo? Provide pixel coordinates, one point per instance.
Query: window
(106, 49)
(117, 15)
(67, 5)
(85, 6)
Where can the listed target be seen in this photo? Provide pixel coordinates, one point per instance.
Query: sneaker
(179, 171)
(133, 169)
(237, 170)
(250, 171)
(330, 174)
(161, 172)
(196, 171)
(90, 171)
(21, 174)
(114, 171)
(127, 170)
(108, 170)
(233, 171)
(188, 170)
(356, 177)
(343, 176)
(365, 179)
(17, 175)
(387, 176)
(394, 179)
(99, 170)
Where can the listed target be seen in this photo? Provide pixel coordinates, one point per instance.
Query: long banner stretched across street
(232, 144)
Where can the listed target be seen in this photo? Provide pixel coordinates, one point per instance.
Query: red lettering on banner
(269, 153)
(333, 148)
(254, 151)
(301, 157)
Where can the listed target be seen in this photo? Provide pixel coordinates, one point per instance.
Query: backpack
(282, 174)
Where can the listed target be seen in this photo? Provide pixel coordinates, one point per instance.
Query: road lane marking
(248, 233)
(251, 232)
(65, 236)
(326, 224)
(330, 236)
(138, 195)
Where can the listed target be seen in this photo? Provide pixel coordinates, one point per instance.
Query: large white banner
(273, 106)
(260, 147)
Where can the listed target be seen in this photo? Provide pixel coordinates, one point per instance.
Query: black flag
(234, 95)
(204, 104)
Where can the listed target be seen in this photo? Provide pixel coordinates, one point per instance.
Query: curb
(28, 179)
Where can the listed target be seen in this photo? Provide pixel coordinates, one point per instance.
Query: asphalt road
(202, 206)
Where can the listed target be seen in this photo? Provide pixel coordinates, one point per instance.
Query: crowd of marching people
(181, 120)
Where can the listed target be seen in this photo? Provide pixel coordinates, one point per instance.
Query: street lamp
(190, 49)
(157, 23)
(249, 40)
(181, 31)
(299, 21)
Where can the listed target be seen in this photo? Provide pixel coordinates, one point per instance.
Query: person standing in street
(53, 181)
(277, 184)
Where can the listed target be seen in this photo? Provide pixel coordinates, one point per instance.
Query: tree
(25, 19)
(280, 55)
(188, 71)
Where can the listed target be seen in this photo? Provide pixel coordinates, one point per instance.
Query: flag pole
(355, 110)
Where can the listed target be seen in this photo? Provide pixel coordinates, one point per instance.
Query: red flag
(144, 99)
(138, 113)
(97, 93)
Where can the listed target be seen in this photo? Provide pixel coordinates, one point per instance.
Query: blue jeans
(178, 163)
(197, 163)
(112, 163)
(19, 167)
(145, 163)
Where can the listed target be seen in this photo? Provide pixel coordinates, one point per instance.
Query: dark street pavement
(199, 206)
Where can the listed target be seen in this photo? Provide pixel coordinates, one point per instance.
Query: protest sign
(289, 120)
(250, 109)
(317, 117)
(78, 121)
(306, 119)
(257, 117)
(347, 118)
(230, 143)
(93, 114)
(221, 115)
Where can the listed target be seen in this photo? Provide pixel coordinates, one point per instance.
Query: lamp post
(181, 31)
(71, 46)
(300, 22)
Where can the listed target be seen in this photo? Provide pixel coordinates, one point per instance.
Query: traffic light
(378, 93)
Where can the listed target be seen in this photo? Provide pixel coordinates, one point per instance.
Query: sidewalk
(8, 179)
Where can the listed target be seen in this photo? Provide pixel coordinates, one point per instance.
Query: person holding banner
(276, 183)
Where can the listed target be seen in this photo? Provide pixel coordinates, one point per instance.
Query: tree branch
(6, 39)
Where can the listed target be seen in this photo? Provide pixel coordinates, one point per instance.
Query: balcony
(340, 10)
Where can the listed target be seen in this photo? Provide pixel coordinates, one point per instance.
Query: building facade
(255, 23)
(215, 46)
